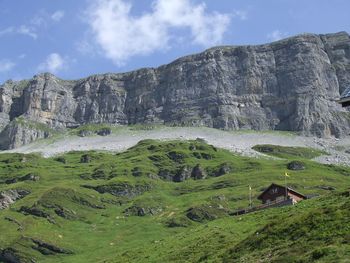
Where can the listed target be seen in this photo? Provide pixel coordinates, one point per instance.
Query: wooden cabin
(277, 193)
(345, 98)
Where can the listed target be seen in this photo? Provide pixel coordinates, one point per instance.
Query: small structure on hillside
(273, 196)
(345, 98)
(277, 193)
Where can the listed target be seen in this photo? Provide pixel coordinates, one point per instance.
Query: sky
(75, 39)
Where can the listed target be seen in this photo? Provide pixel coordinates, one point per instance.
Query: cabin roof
(290, 190)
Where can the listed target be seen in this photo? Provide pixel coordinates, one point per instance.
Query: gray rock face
(136, 210)
(18, 133)
(11, 196)
(291, 85)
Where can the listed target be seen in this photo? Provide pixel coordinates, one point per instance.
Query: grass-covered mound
(288, 152)
(156, 202)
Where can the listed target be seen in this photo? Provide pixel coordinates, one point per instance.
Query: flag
(250, 188)
(287, 175)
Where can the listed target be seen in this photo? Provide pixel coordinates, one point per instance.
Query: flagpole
(250, 196)
(285, 183)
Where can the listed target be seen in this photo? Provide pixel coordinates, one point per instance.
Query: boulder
(104, 131)
(182, 174)
(11, 255)
(27, 177)
(198, 172)
(166, 174)
(85, 133)
(224, 168)
(137, 210)
(85, 158)
(48, 249)
(35, 211)
(30, 177)
(66, 213)
(177, 157)
(296, 166)
(61, 159)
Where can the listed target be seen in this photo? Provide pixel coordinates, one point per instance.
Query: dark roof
(345, 95)
(288, 189)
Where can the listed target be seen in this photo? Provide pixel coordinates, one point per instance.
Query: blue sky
(74, 39)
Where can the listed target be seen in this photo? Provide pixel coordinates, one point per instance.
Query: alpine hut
(277, 193)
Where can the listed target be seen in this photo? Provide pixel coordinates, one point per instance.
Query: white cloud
(27, 31)
(122, 35)
(57, 16)
(242, 15)
(39, 20)
(6, 65)
(22, 30)
(6, 31)
(276, 35)
(53, 63)
(31, 28)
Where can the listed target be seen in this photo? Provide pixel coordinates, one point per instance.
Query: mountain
(291, 84)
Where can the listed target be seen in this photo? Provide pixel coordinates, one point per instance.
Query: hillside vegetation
(169, 202)
(288, 152)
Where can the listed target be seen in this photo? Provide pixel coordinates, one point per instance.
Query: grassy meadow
(171, 202)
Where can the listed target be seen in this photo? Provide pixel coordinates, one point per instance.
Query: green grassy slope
(316, 230)
(165, 202)
(288, 152)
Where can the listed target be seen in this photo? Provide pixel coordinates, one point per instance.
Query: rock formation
(11, 196)
(291, 84)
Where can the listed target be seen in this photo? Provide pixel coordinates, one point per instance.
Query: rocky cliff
(291, 84)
